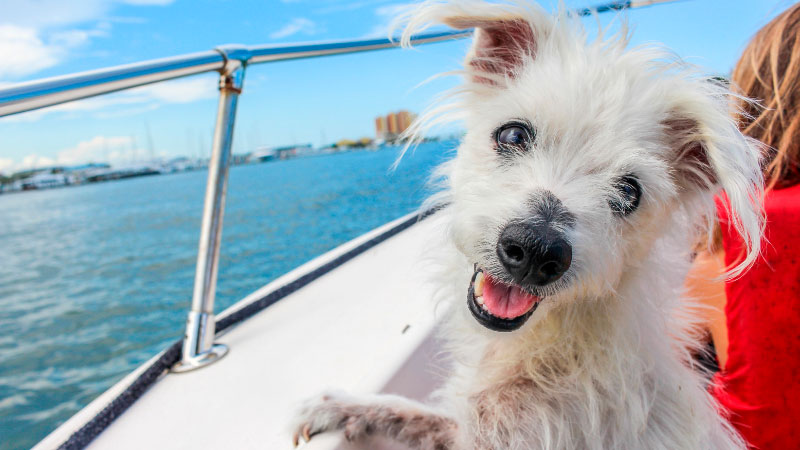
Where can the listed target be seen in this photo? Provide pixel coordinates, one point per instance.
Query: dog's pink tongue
(504, 301)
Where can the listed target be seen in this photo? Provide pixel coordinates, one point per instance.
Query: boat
(235, 378)
(46, 179)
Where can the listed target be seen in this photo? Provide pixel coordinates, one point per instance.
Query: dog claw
(305, 433)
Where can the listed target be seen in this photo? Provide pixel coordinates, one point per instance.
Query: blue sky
(316, 101)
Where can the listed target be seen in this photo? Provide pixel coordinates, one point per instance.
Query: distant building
(394, 126)
(391, 126)
(381, 126)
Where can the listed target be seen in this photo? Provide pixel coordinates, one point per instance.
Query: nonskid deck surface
(364, 327)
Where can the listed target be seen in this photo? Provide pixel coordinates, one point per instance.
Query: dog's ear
(708, 154)
(689, 155)
(500, 48)
(506, 35)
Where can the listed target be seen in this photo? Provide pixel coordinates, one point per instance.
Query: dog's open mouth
(499, 306)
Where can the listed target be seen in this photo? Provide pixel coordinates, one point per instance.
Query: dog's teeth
(479, 284)
(479, 300)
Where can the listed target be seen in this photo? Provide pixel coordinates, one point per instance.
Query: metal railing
(53, 91)
(230, 61)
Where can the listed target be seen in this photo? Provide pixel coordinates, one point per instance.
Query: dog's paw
(330, 411)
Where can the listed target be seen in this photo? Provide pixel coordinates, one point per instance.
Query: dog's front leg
(396, 418)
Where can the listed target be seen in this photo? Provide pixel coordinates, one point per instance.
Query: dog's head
(579, 156)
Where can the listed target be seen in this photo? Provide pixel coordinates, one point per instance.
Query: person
(757, 338)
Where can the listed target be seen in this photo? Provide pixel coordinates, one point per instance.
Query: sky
(315, 101)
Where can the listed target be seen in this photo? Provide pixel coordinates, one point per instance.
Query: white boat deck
(364, 327)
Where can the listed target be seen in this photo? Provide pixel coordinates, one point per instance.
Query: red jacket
(760, 386)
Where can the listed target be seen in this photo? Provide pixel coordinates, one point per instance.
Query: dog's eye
(629, 194)
(514, 136)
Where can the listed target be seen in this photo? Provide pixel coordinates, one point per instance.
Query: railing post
(199, 348)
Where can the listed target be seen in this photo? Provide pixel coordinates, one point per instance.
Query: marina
(55, 177)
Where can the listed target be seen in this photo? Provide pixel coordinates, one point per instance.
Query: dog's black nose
(533, 254)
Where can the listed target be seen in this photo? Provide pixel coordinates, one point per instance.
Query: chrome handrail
(230, 61)
(53, 91)
(199, 348)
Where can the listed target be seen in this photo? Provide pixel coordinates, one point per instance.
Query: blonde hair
(769, 72)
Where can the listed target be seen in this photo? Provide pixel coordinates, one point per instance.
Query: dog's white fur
(605, 361)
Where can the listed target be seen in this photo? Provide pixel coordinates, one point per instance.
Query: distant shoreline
(63, 177)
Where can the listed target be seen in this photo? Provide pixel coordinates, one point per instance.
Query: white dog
(586, 173)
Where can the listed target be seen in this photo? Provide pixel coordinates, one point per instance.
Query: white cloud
(126, 112)
(114, 150)
(6, 165)
(42, 14)
(73, 38)
(379, 30)
(52, 13)
(23, 52)
(179, 91)
(33, 162)
(98, 148)
(392, 11)
(38, 34)
(297, 25)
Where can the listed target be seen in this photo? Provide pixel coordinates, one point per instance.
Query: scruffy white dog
(587, 171)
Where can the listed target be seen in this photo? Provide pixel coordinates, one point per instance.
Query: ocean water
(96, 279)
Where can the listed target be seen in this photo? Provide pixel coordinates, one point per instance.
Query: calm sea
(96, 279)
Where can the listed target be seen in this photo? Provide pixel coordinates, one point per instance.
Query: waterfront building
(390, 127)
(381, 127)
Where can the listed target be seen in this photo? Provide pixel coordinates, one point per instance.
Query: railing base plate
(216, 353)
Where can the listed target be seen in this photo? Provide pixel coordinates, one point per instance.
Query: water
(96, 279)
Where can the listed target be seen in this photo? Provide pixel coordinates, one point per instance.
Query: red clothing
(760, 385)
